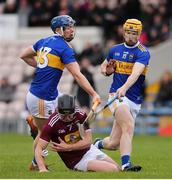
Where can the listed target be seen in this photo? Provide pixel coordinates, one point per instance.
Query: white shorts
(40, 108)
(92, 154)
(134, 108)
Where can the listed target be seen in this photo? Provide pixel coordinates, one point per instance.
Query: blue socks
(125, 159)
(100, 144)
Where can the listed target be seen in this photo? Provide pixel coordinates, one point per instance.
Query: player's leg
(126, 122)
(101, 166)
(96, 160)
(110, 160)
(122, 132)
(111, 142)
(39, 123)
(125, 116)
(33, 128)
(40, 110)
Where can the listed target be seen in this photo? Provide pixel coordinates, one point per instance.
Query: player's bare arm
(74, 69)
(81, 144)
(42, 144)
(28, 55)
(137, 70)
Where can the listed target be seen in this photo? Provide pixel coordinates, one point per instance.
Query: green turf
(152, 152)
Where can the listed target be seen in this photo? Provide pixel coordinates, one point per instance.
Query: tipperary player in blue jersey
(128, 62)
(50, 56)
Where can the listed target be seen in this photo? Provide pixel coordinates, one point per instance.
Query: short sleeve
(68, 56)
(46, 133)
(37, 45)
(144, 58)
(81, 116)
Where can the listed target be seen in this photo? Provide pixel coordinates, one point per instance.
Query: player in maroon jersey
(76, 153)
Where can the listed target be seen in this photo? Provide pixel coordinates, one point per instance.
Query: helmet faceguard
(66, 107)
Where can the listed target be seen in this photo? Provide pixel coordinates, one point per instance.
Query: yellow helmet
(133, 24)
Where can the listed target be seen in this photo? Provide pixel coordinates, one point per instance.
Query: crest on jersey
(72, 137)
(131, 56)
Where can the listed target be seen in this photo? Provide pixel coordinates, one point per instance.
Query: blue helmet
(61, 21)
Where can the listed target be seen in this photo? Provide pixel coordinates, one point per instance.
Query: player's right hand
(96, 98)
(110, 67)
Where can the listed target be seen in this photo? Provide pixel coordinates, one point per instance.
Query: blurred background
(98, 27)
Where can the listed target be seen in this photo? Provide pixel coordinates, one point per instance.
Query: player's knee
(112, 145)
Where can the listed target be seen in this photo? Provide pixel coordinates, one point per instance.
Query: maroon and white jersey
(68, 132)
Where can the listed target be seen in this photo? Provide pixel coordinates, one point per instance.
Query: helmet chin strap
(62, 31)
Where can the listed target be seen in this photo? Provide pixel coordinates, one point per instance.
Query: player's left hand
(58, 147)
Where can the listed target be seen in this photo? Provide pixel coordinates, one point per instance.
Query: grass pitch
(152, 152)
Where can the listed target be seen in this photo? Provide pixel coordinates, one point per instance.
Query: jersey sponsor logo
(72, 137)
(61, 131)
(117, 54)
(126, 68)
(45, 58)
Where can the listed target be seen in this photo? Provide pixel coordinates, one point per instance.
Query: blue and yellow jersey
(52, 55)
(125, 57)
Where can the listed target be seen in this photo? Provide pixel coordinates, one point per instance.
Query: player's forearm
(131, 80)
(80, 78)
(82, 144)
(31, 61)
(28, 55)
(83, 82)
(39, 159)
(136, 72)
